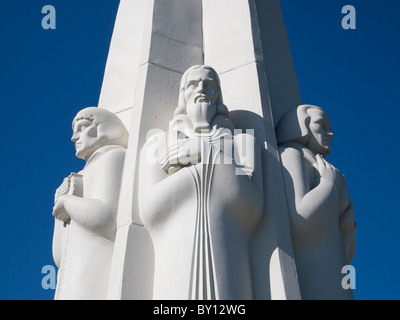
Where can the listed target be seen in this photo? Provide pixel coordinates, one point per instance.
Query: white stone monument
(201, 202)
(86, 207)
(321, 213)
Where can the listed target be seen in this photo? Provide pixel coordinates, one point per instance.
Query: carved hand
(189, 152)
(328, 171)
(184, 152)
(59, 211)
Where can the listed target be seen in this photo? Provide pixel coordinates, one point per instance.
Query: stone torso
(89, 241)
(200, 226)
(317, 239)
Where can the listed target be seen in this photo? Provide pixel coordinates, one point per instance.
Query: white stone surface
(174, 55)
(247, 91)
(199, 210)
(278, 64)
(179, 20)
(321, 213)
(86, 207)
(166, 33)
(201, 229)
(120, 75)
(228, 36)
(154, 100)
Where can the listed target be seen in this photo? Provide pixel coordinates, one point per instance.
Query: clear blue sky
(47, 76)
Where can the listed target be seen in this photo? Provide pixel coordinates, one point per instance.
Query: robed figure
(86, 207)
(201, 196)
(321, 213)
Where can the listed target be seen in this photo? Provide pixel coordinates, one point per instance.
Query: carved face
(85, 138)
(320, 133)
(201, 95)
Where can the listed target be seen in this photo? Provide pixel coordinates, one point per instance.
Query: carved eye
(321, 123)
(191, 84)
(211, 84)
(83, 125)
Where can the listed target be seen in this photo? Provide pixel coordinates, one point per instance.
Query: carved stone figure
(321, 213)
(200, 196)
(86, 206)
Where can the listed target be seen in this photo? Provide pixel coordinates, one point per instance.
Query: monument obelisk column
(159, 40)
(246, 42)
(154, 42)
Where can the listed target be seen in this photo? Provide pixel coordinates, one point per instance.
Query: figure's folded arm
(309, 202)
(98, 210)
(92, 213)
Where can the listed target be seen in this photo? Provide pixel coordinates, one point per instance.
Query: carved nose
(329, 134)
(74, 138)
(201, 87)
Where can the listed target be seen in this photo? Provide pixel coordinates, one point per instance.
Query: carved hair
(110, 129)
(294, 125)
